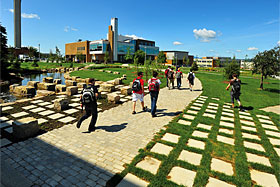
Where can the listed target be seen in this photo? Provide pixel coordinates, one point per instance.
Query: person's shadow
(113, 128)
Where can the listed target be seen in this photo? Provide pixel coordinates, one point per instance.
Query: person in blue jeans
(154, 87)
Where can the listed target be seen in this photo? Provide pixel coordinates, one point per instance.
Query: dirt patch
(226, 82)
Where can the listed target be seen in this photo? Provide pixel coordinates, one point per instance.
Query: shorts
(234, 96)
(191, 82)
(136, 96)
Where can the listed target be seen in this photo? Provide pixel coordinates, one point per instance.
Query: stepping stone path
(188, 117)
(150, 164)
(184, 122)
(226, 140)
(195, 108)
(161, 149)
(258, 159)
(217, 183)
(200, 134)
(182, 176)
(204, 126)
(264, 179)
(196, 144)
(191, 157)
(71, 111)
(209, 115)
(67, 119)
(56, 116)
(29, 107)
(36, 110)
(171, 138)
(7, 108)
(20, 114)
(227, 119)
(221, 166)
(227, 124)
(192, 112)
(210, 111)
(254, 146)
(250, 136)
(130, 179)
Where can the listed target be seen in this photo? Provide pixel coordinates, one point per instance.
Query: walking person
(138, 91)
(166, 75)
(89, 96)
(191, 77)
(171, 77)
(154, 86)
(235, 84)
(179, 76)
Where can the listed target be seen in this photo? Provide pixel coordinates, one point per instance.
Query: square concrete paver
(217, 99)
(277, 151)
(274, 141)
(71, 111)
(266, 121)
(209, 115)
(7, 108)
(44, 103)
(214, 104)
(251, 136)
(227, 131)
(217, 183)
(199, 101)
(226, 106)
(76, 100)
(200, 134)
(190, 157)
(41, 121)
(228, 114)
(192, 112)
(264, 179)
(246, 117)
(227, 124)
(171, 137)
(264, 117)
(188, 116)
(227, 110)
(184, 122)
(6, 124)
(149, 164)
(198, 104)
(45, 113)
(211, 111)
(75, 104)
(67, 119)
(19, 114)
(227, 118)
(226, 140)
(212, 107)
(50, 106)
(61, 96)
(29, 107)
(195, 108)
(161, 149)
(132, 180)
(244, 113)
(270, 127)
(196, 144)
(56, 116)
(203, 96)
(36, 110)
(128, 97)
(9, 130)
(249, 123)
(254, 146)
(272, 133)
(123, 100)
(3, 118)
(182, 176)
(5, 142)
(221, 166)
(204, 126)
(37, 101)
(258, 159)
(248, 128)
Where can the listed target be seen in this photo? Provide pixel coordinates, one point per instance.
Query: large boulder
(113, 98)
(33, 84)
(25, 91)
(71, 90)
(70, 83)
(126, 90)
(111, 82)
(98, 83)
(80, 80)
(57, 81)
(74, 78)
(118, 81)
(81, 85)
(61, 104)
(106, 88)
(48, 79)
(46, 86)
(25, 128)
(60, 88)
(44, 93)
(12, 87)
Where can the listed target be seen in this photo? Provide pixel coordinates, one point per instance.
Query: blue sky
(204, 28)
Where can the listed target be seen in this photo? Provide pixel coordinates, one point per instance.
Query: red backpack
(154, 85)
(166, 72)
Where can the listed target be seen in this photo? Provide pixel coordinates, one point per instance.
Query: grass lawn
(228, 139)
(48, 65)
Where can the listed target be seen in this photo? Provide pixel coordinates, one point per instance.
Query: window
(95, 47)
(81, 48)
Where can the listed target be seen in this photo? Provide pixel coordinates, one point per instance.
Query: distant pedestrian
(235, 84)
(154, 87)
(171, 77)
(89, 96)
(166, 75)
(138, 91)
(191, 77)
(179, 76)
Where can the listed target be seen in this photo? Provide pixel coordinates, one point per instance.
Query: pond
(6, 96)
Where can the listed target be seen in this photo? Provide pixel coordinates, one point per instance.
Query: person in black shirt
(90, 107)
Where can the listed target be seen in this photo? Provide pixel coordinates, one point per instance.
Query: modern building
(176, 57)
(244, 64)
(215, 61)
(116, 46)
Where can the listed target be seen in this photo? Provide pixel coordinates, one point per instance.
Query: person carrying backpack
(166, 75)
(191, 77)
(171, 77)
(138, 91)
(154, 87)
(179, 76)
(88, 99)
(235, 84)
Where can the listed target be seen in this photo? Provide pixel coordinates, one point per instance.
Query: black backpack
(190, 77)
(236, 86)
(136, 86)
(88, 96)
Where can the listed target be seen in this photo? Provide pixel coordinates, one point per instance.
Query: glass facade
(122, 48)
(95, 47)
(149, 50)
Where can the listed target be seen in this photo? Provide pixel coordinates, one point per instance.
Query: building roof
(177, 51)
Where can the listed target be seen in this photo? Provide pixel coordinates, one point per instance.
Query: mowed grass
(214, 87)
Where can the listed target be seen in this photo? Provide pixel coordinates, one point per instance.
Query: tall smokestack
(17, 23)
(114, 23)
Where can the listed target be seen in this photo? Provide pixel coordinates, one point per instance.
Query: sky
(224, 28)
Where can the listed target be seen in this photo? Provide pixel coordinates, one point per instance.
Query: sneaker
(144, 109)
(78, 125)
(133, 112)
(91, 130)
(154, 115)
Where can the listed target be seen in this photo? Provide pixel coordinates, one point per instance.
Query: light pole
(39, 54)
(176, 61)
(145, 54)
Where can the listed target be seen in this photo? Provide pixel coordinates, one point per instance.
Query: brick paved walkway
(68, 156)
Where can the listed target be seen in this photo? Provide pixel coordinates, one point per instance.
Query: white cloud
(28, 16)
(177, 43)
(252, 49)
(211, 50)
(66, 28)
(205, 35)
(278, 43)
(238, 50)
(73, 29)
(271, 22)
(134, 37)
(228, 51)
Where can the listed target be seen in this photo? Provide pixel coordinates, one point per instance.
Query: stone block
(70, 83)
(46, 86)
(60, 88)
(61, 104)
(48, 80)
(126, 90)
(74, 78)
(149, 164)
(118, 81)
(116, 73)
(182, 176)
(81, 85)
(108, 71)
(23, 91)
(12, 87)
(111, 82)
(87, 80)
(44, 93)
(114, 98)
(67, 76)
(57, 81)
(71, 90)
(33, 84)
(26, 127)
(107, 88)
(80, 80)
(101, 70)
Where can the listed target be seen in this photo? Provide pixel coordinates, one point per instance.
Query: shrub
(35, 64)
(194, 67)
(230, 69)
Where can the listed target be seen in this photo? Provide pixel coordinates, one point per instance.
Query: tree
(33, 52)
(147, 68)
(80, 57)
(161, 58)
(218, 62)
(106, 57)
(58, 55)
(267, 63)
(194, 67)
(232, 68)
(184, 60)
(4, 51)
(189, 63)
(140, 55)
(128, 56)
(51, 56)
